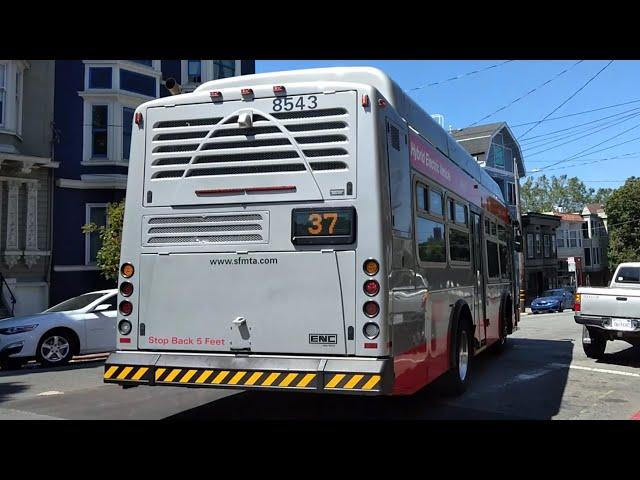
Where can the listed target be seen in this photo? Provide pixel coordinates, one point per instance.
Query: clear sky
(472, 97)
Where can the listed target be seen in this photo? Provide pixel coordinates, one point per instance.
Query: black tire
(12, 363)
(62, 355)
(457, 378)
(501, 345)
(598, 343)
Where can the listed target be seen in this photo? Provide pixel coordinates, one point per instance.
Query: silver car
(80, 325)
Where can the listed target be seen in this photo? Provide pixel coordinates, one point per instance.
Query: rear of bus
(252, 253)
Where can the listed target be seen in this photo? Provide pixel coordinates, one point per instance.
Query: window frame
(427, 215)
(546, 250)
(538, 241)
(87, 236)
(12, 94)
(504, 243)
(94, 131)
(530, 246)
(455, 201)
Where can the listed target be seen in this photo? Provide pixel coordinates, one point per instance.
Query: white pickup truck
(611, 313)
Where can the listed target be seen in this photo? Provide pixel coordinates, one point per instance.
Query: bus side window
(399, 180)
(493, 267)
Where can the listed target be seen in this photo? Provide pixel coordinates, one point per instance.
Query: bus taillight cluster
(126, 307)
(371, 308)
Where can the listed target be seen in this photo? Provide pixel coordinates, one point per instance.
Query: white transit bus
(311, 230)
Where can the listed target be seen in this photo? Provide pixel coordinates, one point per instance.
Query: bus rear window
(628, 275)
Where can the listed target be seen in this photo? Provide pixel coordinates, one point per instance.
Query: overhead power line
(553, 132)
(525, 95)
(458, 77)
(575, 114)
(568, 99)
(596, 151)
(599, 129)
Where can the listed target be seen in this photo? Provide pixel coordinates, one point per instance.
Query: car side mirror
(102, 308)
(517, 243)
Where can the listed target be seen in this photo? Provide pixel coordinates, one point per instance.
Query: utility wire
(458, 77)
(529, 140)
(564, 167)
(603, 126)
(567, 100)
(575, 114)
(523, 96)
(600, 129)
(596, 151)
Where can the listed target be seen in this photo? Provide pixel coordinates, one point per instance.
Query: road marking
(530, 376)
(50, 392)
(600, 370)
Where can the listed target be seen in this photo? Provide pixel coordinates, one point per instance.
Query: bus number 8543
(289, 103)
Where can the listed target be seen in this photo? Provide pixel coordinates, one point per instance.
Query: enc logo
(323, 339)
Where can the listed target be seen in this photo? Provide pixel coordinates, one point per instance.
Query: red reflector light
(215, 94)
(278, 88)
(382, 103)
(126, 289)
(246, 91)
(138, 118)
(126, 307)
(371, 309)
(365, 100)
(371, 287)
(125, 340)
(371, 345)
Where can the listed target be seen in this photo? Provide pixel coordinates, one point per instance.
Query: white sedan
(80, 325)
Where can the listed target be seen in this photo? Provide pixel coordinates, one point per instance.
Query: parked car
(555, 300)
(610, 313)
(79, 325)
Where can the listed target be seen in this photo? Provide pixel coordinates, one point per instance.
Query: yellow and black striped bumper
(352, 376)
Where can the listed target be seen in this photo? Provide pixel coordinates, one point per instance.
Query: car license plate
(621, 324)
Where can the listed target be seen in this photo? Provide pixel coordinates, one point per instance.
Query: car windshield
(76, 303)
(552, 293)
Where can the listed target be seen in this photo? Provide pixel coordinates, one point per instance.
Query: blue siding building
(93, 112)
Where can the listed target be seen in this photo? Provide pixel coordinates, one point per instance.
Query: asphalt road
(543, 374)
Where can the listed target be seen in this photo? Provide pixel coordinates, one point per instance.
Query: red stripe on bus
(125, 340)
(636, 416)
(217, 191)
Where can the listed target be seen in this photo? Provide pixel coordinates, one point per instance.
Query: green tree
(623, 220)
(545, 194)
(108, 257)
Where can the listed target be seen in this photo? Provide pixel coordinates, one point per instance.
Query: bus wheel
(458, 377)
(505, 321)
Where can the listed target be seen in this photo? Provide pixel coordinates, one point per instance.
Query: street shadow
(33, 367)
(9, 389)
(518, 384)
(629, 357)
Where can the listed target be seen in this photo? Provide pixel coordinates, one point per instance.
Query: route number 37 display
(323, 225)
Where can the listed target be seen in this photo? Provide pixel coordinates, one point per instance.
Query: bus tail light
(278, 89)
(127, 270)
(371, 288)
(246, 91)
(576, 305)
(126, 289)
(126, 307)
(124, 327)
(365, 100)
(371, 309)
(371, 330)
(371, 267)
